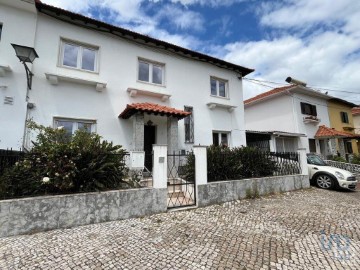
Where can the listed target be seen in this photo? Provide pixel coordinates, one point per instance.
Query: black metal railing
(286, 163)
(181, 180)
(8, 158)
(238, 164)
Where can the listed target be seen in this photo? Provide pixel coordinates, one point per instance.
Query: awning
(151, 108)
(326, 132)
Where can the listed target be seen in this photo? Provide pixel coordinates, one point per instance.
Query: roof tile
(326, 132)
(152, 108)
(355, 111)
(268, 93)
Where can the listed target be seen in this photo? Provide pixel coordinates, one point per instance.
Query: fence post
(200, 165)
(160, 166)
(303, 161)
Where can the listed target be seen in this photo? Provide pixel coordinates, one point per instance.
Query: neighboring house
(299, 111)
(131, 89)
(341, 119)
(356, 118)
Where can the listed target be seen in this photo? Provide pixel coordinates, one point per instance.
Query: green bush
(59, 164)
(336, 158)
(356, 159)
(233, 163)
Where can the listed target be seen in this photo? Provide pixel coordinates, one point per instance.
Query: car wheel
(325, 181)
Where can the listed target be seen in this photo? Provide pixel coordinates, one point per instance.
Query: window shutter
(302, 104)
(313, 110)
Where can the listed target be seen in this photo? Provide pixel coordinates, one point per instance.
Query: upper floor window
(1, 26)
(78, 56)
(189, 125)
(218, 87)
(344, 117)
(72, 125)
(221, 138)
(308, 109)
(151, 72)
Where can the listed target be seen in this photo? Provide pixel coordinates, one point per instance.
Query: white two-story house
(295, 115)
(131, 89)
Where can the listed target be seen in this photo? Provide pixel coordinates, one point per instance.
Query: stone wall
(30, 215)
(224, 191)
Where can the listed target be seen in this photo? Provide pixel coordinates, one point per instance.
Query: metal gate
(181, 180)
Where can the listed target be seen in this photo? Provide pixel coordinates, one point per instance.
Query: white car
(328, 177)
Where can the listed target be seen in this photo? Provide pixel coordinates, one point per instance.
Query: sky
(315, 41)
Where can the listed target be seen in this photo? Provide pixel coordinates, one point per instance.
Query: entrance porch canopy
(325, 132)
(152, 108)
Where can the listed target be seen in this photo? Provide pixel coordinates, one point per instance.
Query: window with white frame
(189, 125)
(221, 138)
(218, 87)
(151, 72)
(79, 56)
(72, 125)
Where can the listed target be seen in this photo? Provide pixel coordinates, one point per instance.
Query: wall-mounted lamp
(26, 55)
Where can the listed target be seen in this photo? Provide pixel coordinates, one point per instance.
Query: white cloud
(182, 19)
(131, 15)
(212, 3)
(321, 60)
(304, 13)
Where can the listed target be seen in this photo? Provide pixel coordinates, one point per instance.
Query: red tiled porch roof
(326, 132)
(152, 108)
(269, 93)
(355, 111)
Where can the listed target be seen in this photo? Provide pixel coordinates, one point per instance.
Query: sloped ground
(310, 229)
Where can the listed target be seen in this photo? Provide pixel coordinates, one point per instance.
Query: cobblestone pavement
(310, 229)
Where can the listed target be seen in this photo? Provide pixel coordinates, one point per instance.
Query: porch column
(332, 146)
(172, 134)
(342, 147)
(138, 132)
(303, 161)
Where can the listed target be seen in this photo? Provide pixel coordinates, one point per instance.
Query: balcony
(311, 120)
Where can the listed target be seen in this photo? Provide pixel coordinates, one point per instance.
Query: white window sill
(4, 69)
(150, 83)
(220, 97)
(213, 105)
(133, 92)
(54, 79)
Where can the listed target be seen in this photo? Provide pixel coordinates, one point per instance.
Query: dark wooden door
(149, 140)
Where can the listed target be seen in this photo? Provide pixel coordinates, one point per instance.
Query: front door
(149, 140)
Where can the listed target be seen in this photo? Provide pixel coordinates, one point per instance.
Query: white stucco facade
(12, 72)
(282, 112)
(74, 94)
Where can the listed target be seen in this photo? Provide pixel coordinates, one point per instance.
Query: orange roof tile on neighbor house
(152, 108)
(355, 111)
(326, 132)
(269, 93)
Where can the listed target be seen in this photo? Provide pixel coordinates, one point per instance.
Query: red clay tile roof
(269, 93)
(152, 108)
(355, 111)
(326, 132)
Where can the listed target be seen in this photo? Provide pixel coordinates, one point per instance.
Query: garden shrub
(233, 163)
(59, 164)
(336, 158)
(356, 159)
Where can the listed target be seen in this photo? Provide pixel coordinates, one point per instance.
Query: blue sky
(317, 41)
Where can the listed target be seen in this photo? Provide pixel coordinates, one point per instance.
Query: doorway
(312, 146)
(149, 140)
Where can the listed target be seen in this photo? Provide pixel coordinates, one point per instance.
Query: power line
(313, 86)
(301, 99)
